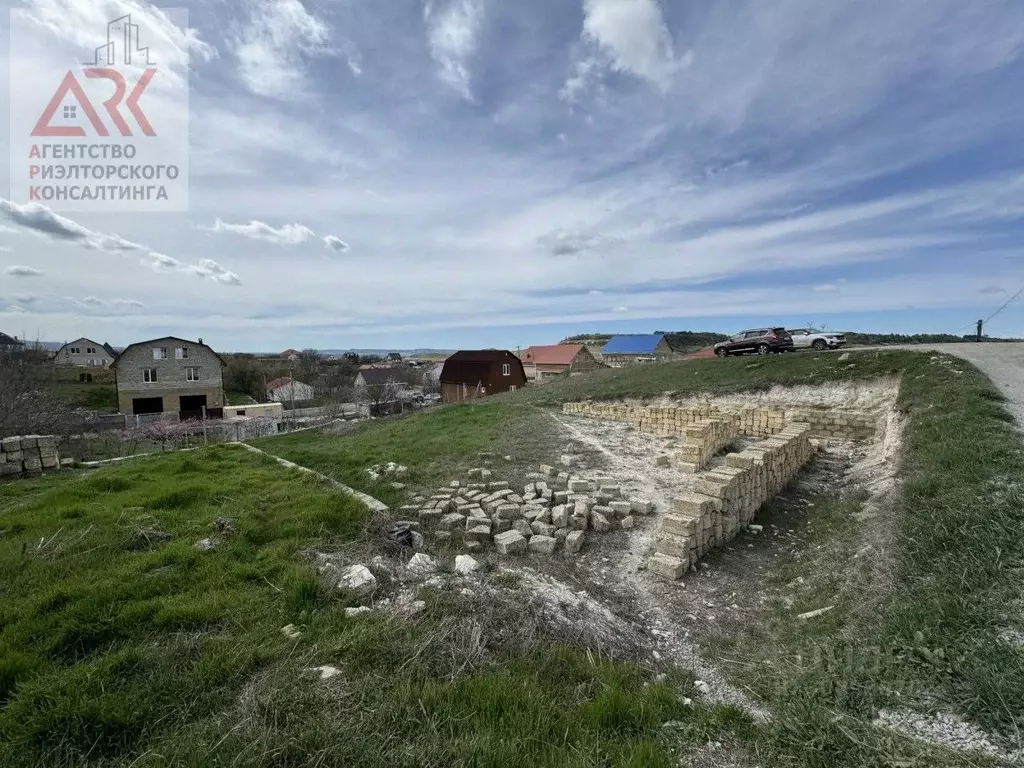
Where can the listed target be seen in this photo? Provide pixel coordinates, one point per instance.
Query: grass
(122, 650)
(91, 396)
(234, 397)
(112, 654)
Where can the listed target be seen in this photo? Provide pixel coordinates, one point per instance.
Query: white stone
(350, 612)
(543, 545)
(358, 578)
(465, 565)
(325, 672)
(420, 566)
(291, 632)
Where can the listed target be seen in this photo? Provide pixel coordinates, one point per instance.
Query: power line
(1010, 301)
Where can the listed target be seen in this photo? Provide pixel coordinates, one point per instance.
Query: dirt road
(1003, 363)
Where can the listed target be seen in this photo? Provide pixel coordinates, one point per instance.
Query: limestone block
(542, 529)
(452, 521)
(523, 528)
(671, 568)
(599, 522)
(578, 523)
(507, 511)
(475, 522)
(33, 464)
(542, 545)
(627, 523)
(579, 486)
(481, 533)
(621, 508)
(510, 543)
(574, 541)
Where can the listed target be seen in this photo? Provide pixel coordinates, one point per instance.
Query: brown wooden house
(470, 374)
(558, 360)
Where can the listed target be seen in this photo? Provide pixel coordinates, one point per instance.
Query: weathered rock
(358, 611)
(566, 460)
(574, 542)
(465, 565)
(451, 521)
(663, 461)
(666, 566)
(627, 523)
(579, 486)
(561, 534)
(621, 508)
(581, 509)
(420, 566)
(207, 545)
(560, 516)
(358, 579)
(578, 523)
(291, 632)
(476, 522)
(474, 546)
(599, 522)
(547, 469)
(481, 533)
(543, 545)
(500, 526)
(510, 543)
(542, 529)
(523, 528)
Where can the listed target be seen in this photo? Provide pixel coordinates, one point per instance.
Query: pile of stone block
(752, 421)
(554, 512)
(28, 455)
(703, 440)
(726, 499)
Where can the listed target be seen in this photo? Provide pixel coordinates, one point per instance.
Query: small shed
(289, 390)
(469, 374)
(628, 349)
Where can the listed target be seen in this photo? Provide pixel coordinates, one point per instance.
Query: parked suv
(757, 340)
(819, 340)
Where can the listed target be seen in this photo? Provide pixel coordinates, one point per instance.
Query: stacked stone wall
(726, 499)
(27, 455)
(752, 421)
(704, 439)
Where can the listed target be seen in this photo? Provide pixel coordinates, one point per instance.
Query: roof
(85, 339)
(470, 366)
(385, 375)
(553, 354)
(164, 338)
(639, 344)
(284, 381)
(109, 349)
(10, 341)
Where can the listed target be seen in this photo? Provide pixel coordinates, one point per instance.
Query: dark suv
(756, 340)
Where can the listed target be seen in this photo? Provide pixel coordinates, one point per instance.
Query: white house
(287, 390)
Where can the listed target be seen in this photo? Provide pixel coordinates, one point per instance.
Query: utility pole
(981, 326)
(291, 377)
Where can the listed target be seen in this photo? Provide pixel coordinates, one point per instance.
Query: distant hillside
(680, 341)
(917, 338)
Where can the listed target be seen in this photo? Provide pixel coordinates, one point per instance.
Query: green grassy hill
(121, 644)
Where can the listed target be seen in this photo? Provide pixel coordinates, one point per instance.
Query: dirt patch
(728, 590)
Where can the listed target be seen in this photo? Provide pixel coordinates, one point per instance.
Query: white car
(809, 338)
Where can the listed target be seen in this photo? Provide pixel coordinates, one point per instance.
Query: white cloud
(273, 47)
(632, 33)
(336, 244)
(6, 249)
(206, 268)
(453, 27)
(826, 288)
(620, 310)
(289, 234)
(22, 271)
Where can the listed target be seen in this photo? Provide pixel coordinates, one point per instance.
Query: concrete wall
(171, 383)
(726, 499)
(70, 373)
(28, 455)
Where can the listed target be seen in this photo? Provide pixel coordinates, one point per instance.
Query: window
(191, 374)
(181, 353)
(506, 369)
(85, 377)
(159, 353)
(90, 350)
(149, 375)
(76, 350)
(241, 411)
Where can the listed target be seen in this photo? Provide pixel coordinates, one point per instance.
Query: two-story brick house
(169, 375)
(85, 352)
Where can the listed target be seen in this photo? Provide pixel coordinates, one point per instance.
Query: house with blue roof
(628, 349)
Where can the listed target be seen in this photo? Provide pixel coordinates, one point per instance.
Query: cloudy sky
(443, 173)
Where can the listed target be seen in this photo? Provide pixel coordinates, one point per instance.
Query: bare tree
(380, 397)
(28, 404)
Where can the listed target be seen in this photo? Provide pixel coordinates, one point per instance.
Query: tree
(28, 405)
(379, 398)
(243, 373)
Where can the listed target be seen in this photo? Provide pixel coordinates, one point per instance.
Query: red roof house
(558, 360)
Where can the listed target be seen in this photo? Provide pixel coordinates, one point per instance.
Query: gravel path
(1003, 363)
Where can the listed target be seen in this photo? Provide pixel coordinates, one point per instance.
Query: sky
(458, 173)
